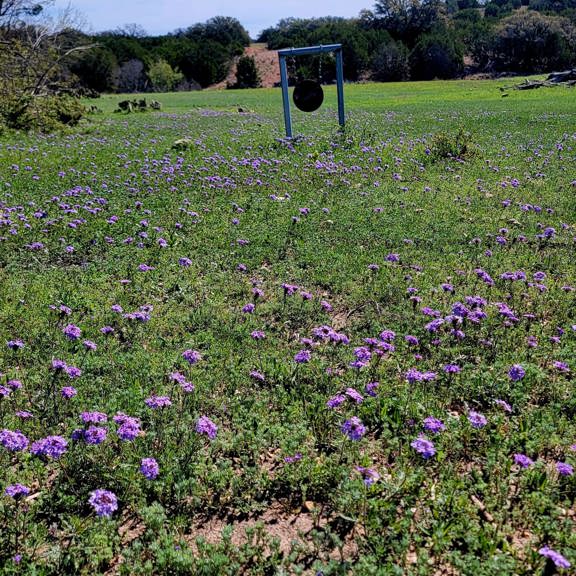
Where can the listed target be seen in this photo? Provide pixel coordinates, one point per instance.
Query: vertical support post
(285, 97)
(340, 86)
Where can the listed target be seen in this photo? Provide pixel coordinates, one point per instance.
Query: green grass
(451, 176)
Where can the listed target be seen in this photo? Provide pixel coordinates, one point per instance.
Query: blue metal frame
(283, 54)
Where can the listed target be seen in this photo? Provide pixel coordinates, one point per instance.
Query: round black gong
(308, 95)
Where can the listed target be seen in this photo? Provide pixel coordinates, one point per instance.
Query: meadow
(224, 352)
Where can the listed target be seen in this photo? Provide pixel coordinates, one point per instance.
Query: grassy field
(223, 352)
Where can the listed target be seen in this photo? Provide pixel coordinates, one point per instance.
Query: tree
(436, 56)
(247, 75)
(130, 76)
(34, 50)
(528, 41)
(163, 77)
(96, 69)
(407, 20)
(390, 63)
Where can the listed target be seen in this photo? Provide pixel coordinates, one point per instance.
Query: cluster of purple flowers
(353, 428)
(191, 356)
(104, 502)
(207, 427)
(13, 440)
(129, 428)
(149, 468)
(52, 447)
(156, 402)
(17, 491)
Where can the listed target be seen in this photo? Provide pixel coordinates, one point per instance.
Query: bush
(446, 145)
(41, 113)
(390, 63)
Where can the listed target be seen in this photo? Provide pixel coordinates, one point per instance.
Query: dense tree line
(425, 39)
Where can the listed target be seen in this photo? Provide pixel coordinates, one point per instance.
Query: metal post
(285, 97)
(340, 86)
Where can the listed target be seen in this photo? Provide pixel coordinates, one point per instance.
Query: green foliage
(96, 69)
(452, 145)
(390, 63)
(247, 75)
(41, 113)
(531, 42)
(437, 55)
(163, 77)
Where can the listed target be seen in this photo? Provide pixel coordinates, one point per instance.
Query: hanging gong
(308, 95)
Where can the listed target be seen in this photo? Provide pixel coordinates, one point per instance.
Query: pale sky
(162, 16)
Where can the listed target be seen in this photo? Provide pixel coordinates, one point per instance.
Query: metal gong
(308, 95)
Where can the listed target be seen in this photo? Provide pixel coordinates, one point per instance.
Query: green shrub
(247, 73)
(41, 113)
(452, 145)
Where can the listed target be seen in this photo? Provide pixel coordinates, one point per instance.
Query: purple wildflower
(58, 364)
(149, 468)
(292, 459)
(191, 356)
(516, 373)
(556, 557)
(73, 372)
(522, 460)
(129, 429)
(206, 426)
(68, 392)
(72, 332)
(354, 395)
(17, 491)
(258, 376)
(51, 447)
(13, 440)
(93, 417)
(303, 356)
(353, 428)
(371, 387)
(476, 419)
(452, 369)
(89, 345)
(369, 475)
(104, 502)
(434, 425)
(424, 446)
(95, 435)
(15, 344)
(156, 402)
(335, 401)
(504, 405)
(564, 469)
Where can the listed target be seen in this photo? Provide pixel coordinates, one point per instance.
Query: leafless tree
(34, 46)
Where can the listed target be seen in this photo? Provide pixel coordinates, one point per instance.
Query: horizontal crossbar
(309, 50)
